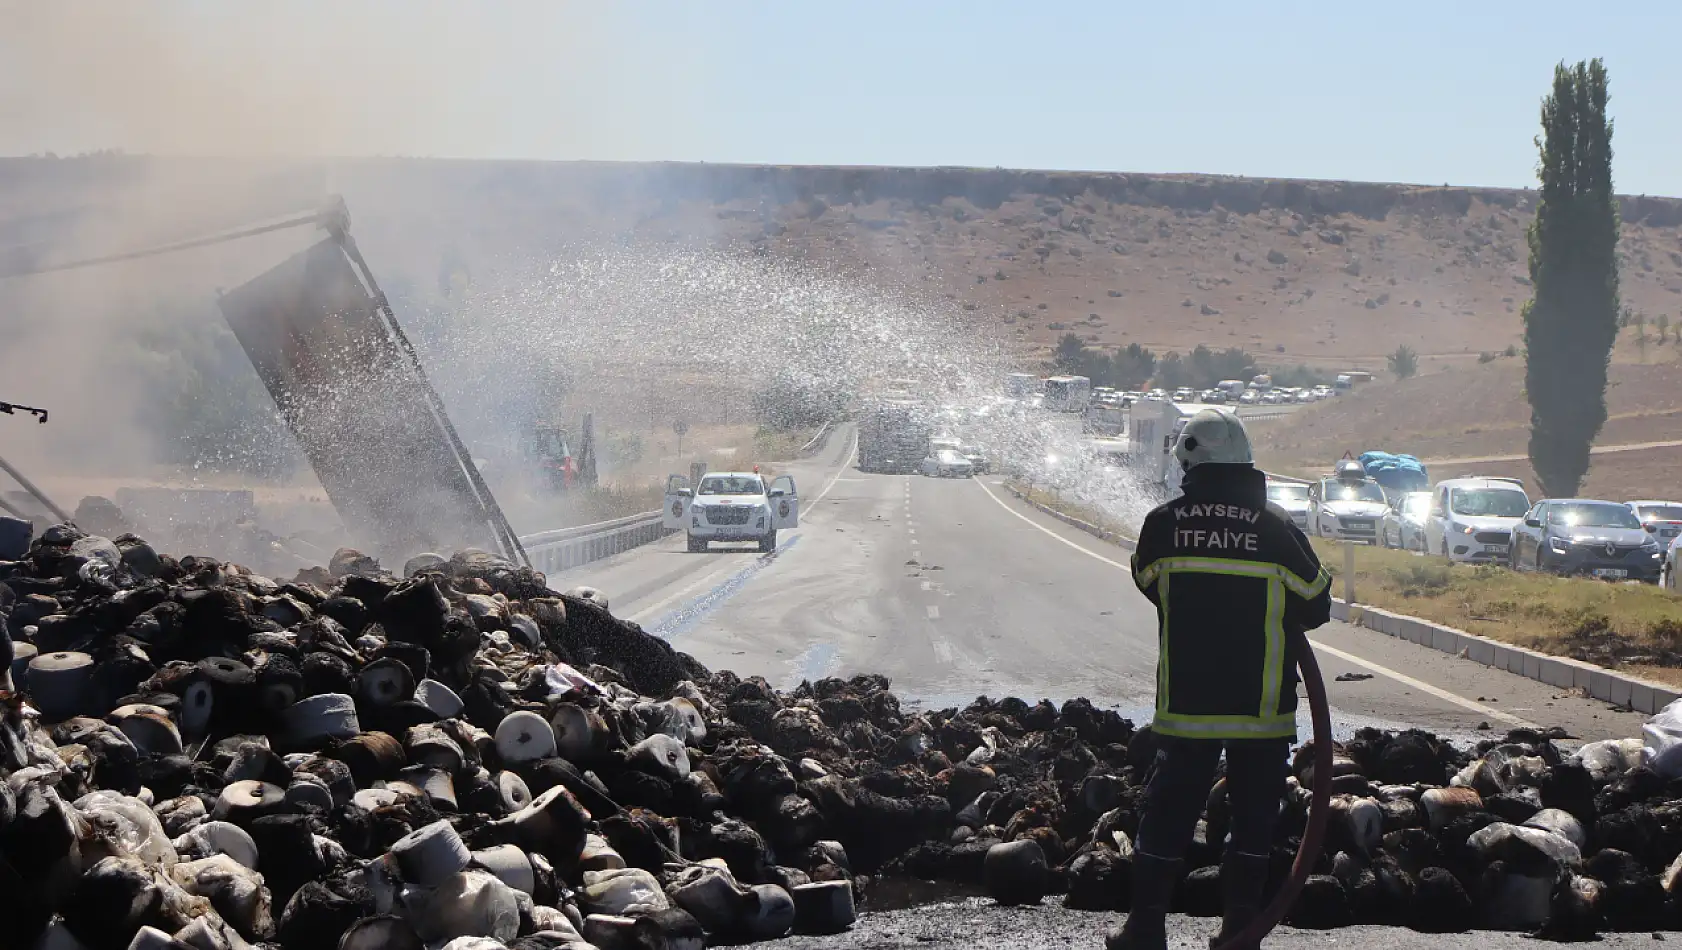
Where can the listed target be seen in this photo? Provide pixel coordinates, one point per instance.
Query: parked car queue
(1490, 520)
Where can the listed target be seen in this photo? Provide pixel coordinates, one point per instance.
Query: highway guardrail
(818, 440)
(565, 548)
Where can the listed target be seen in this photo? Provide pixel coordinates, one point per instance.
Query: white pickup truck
(731, 506)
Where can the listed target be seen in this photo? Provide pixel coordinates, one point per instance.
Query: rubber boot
(1146, 927)
(1243, 877)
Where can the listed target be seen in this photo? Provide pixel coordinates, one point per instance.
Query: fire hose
(1314, 835)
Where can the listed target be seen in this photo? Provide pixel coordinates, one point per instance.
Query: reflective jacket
(1229, 576)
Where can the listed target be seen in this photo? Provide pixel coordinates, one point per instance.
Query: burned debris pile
(455, 756)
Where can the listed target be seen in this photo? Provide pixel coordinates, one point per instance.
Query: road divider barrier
(552, 552)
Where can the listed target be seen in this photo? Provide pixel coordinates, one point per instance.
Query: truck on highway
(894, 436)
(1233, 388)
(1068, 393)
(1021, 385)
(1150, 445)
(731, 506)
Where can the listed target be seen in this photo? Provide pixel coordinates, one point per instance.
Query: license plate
(1611, 572)
(1495, 549)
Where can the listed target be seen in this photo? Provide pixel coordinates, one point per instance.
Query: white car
(947, 462)
(1662, 519)
(1667, 575)
(1472, 519)
(731, 506)
(1249, 397)
(1273, 397)
(1347, 509)
(1291, 498)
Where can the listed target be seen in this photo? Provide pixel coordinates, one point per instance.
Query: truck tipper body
(893, 436)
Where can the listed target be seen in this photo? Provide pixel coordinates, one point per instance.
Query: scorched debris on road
(459, 757)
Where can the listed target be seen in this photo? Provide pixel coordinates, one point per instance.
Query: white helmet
(1213, 435)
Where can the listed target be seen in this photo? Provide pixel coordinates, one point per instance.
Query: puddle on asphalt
(901, 893)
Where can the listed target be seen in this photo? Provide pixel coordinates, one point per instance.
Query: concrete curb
(1116, 538)
(1619, 689)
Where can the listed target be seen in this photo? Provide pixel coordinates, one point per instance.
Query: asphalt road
(982, 925)
(954, 589)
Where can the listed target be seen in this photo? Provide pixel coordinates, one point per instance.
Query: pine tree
(1572, 321)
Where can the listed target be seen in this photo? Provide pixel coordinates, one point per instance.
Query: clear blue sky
(1427, 92)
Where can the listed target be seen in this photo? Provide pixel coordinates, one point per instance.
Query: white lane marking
(1424, 687)
(913, 531)
(934, 612)
(942, 651)
(928, 585)
(1039, 527)
(1385, 671)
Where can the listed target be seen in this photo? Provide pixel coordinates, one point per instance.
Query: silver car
(1291, 498)
(1404, 524)
(944, 463)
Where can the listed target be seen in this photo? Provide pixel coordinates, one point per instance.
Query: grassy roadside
(1632, 626)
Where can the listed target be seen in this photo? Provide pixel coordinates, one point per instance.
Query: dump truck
(893, 436)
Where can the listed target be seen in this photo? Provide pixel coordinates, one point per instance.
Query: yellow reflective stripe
(1307, 590)
(1218, 565)
(1224, 727)
(1146, 577)
(1162, 647)
(1273, 660)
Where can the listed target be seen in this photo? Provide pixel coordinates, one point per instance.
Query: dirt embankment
(1480, 412)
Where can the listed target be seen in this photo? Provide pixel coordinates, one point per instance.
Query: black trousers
(1179, 787)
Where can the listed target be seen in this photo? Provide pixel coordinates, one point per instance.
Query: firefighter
(1231, 579)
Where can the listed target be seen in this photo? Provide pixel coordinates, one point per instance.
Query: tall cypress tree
(1572, 321)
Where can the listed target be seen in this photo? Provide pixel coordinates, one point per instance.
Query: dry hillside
(1323, 272)
(1457, 418)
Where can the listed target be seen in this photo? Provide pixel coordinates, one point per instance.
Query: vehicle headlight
(1559, 545)
(1463, 528)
